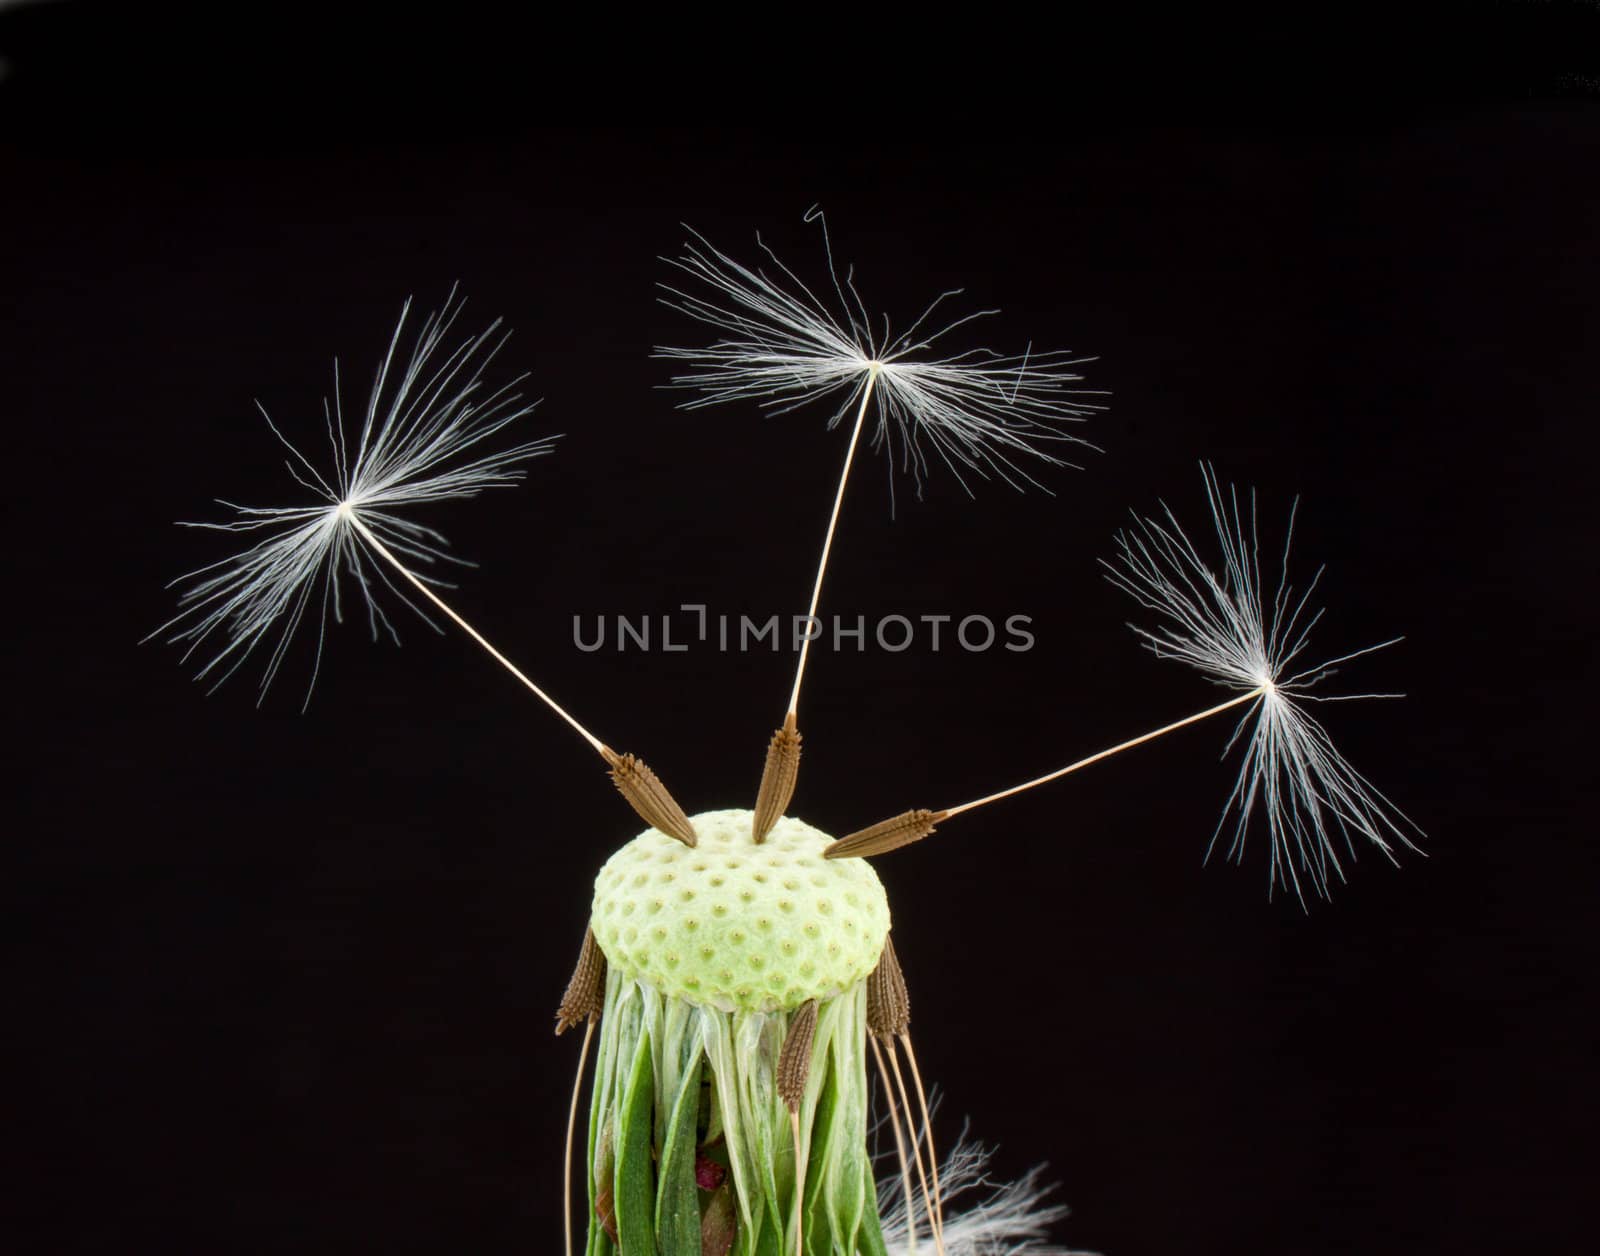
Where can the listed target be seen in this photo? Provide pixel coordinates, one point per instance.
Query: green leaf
(869, 1241)
(822, 1131)
(635, 1191)
(847, 1160)
(818, 1231)
(678, 1198)
(848, 1201)
(769, 1240)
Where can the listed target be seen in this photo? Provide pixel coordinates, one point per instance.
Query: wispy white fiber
(421, 438)
(1222, 623)
(988, 1218)
(978, 412)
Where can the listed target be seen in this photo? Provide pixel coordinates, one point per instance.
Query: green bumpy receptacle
(738, 926)
(711, 951)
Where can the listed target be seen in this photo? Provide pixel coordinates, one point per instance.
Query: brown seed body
(648, 796)
(585, 995)
(794, 1061)
(886, 835)
(888, 1000)
(778, 779)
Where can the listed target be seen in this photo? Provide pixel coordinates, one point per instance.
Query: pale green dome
(739, 926)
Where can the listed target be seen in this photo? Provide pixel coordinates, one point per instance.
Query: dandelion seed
(421, 439)
(1223, 625)
(408, 450)
(979, 412)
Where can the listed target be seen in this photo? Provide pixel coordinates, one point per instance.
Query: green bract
(690, 1147)
(736, 926)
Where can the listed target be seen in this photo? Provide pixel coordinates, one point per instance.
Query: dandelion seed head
(421, 438)
(785, 344)
(1222, 622)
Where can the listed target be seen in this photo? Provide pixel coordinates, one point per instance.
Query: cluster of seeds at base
(736, 925)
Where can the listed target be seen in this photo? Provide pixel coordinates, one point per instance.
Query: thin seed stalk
(827, 540)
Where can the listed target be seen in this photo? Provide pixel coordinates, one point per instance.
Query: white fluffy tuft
(411, 447)
(994, 1219)
(1222, 625)
(978, 411)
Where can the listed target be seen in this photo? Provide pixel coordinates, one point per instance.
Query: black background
(282, 982)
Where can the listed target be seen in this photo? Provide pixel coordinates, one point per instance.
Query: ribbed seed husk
(794, 1061)
(888, 1000)
(586, 991)
(886, 835)
(778, 779)
(649, 797)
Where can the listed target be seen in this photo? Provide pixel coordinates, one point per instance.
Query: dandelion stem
(827, 542)
(1107, 753)
(383, 552)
